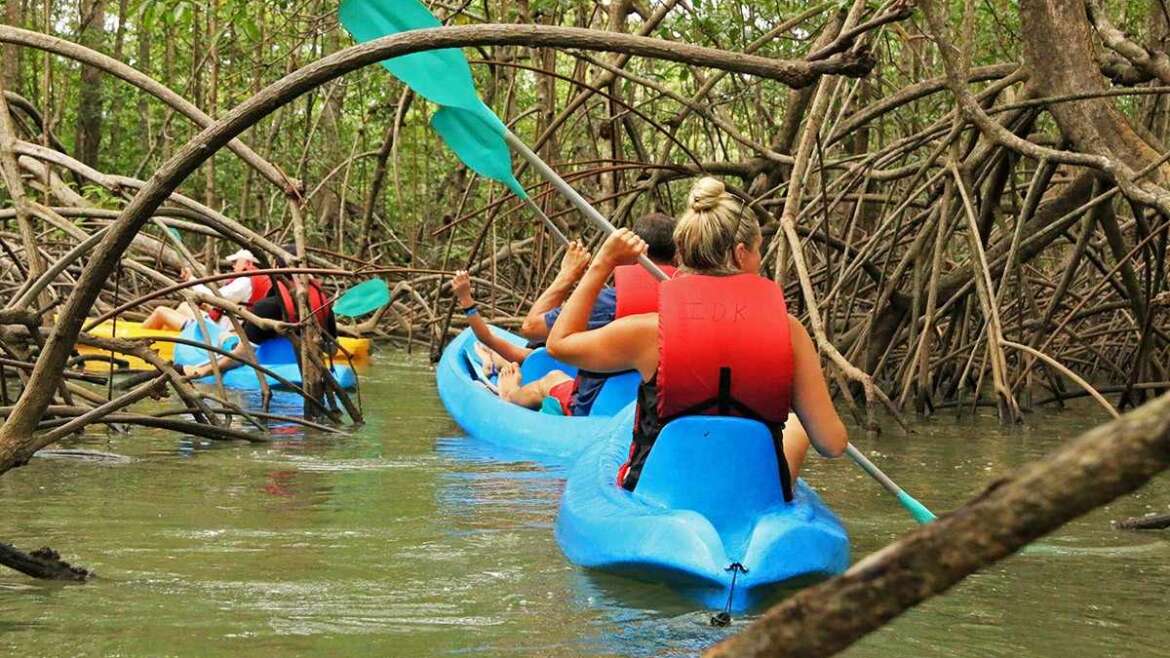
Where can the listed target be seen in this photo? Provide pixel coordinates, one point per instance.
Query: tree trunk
(1059, 54)
(13, 15)
(91, 33)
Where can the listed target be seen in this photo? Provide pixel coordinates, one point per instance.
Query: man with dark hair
(657, 229)
(577, 396)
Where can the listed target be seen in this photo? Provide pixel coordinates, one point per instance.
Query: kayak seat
(617, 393)
(276, 350)
(190, 355)
(539, 363)
(723, 468)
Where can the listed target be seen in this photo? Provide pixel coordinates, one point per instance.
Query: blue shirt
(604, 310)
(589, 384)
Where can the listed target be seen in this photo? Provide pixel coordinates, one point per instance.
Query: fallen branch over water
(1103, 464)
(42, 563)
(1151, 522)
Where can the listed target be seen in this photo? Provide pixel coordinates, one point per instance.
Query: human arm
(461, 287)
(810, 395)
(573, 265)
(629, 342)
(238, 290)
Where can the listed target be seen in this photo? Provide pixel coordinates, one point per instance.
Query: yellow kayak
(358, 348)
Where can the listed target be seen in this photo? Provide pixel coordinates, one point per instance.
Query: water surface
(401, 538)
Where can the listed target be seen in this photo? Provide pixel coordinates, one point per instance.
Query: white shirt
(237, 290)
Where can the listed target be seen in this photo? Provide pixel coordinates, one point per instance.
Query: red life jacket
(723, 349)
(261, 284)
(319, 303)
(637, 289)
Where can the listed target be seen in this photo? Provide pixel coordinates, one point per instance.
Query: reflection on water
(393, 540)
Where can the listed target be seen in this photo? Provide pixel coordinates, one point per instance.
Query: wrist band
(471, 310)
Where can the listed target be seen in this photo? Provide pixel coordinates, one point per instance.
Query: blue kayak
(276, 354)
(482, 414)
(708, 498)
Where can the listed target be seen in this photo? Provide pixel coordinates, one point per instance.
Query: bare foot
(195, 371)
(509, 380)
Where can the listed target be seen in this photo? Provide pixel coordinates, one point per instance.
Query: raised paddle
(479, 138)
(470, 128)
(365, 297)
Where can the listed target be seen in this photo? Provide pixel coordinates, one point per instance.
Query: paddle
(480, 139)
(470, 128)
(365, 297)
(916, 509)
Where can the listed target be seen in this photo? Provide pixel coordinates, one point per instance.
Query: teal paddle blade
(365, 297)
(474, 137)
(916, 509)
(441, 76)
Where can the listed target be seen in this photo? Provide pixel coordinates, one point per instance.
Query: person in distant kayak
(279, 305)
(247, 289)
(635, 290)
(721, 341)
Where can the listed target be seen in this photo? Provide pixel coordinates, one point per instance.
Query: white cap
(242, 254)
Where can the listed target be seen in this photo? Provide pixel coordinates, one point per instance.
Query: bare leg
(492, 361)
(795, 445)
(530, 395)
(167, 318)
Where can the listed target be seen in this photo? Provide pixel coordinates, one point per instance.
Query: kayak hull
(699, 509)
(358, 348)
(244, 378)
(483, 415)
(275, 354)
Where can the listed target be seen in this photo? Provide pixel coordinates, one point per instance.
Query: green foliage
(314, 138)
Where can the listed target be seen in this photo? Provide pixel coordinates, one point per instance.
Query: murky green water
(398, 541)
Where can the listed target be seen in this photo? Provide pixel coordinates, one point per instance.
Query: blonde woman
(721, 342)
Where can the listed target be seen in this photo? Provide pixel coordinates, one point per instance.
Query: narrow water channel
(405, 539)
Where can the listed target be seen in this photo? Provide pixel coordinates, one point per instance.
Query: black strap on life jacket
(724, 402)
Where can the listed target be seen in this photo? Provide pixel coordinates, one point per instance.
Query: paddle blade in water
(916, 509)
(441, 76)
(476, 136)
(363, 298)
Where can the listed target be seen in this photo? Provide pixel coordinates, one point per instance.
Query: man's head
(657, 230)
(242, 260)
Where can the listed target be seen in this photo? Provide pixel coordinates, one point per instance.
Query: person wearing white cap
(246, 290)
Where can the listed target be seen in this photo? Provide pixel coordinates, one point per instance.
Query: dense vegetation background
(893, 282)
(970, 207)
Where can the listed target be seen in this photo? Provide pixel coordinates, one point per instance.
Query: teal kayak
(275, 354)
(482, 414)
(707, 517)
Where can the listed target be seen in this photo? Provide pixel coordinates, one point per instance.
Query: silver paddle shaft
(576, 199)
(872, 469)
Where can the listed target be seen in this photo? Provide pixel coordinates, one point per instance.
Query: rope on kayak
(724, 618)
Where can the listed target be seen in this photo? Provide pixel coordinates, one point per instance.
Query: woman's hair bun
(705, 194)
